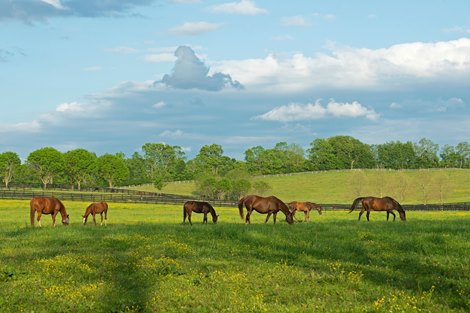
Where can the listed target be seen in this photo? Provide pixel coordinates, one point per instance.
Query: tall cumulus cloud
(191, 73)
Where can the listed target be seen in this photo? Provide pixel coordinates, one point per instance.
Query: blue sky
(112, 75)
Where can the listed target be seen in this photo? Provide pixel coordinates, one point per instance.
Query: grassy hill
(407, 186)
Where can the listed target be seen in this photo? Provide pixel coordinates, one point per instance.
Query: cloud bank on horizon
(222, 86)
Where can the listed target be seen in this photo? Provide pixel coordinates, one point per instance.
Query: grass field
(145, 260)
(407, 186)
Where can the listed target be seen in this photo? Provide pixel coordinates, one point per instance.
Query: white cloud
(297, 20)
(70, 107)
(22, 127)
(194, 28)
(172, 133)
(458, 29)
(313, 111)
(160, 57)
(351, 68)
(55, 3)
(395, 106)
(245, 7)
(159, 105)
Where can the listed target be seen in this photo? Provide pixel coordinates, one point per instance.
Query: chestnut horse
(270, 205)
(47, 205)
(305, 207)
(93, 209)
(198, 207)
(386, 204)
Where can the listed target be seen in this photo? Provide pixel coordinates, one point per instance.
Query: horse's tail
(32, 211)
(184, 210)
(241, 202)
(354, 204)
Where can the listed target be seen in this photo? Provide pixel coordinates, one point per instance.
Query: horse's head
(66, 220)
(402, 215)
(319, 209)
(289, 218)
(85, 218)
(215, 218)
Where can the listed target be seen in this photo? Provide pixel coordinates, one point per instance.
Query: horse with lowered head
(305, 207)
(387, 204)
(198, 207)
(95, 208)
(270, 205)
(47, 205)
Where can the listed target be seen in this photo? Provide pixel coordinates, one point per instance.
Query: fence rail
(134, 196)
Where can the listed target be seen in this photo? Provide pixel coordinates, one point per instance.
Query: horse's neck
(212, 211)
(63, 213)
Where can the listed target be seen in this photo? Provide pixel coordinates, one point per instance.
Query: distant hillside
(407, 186)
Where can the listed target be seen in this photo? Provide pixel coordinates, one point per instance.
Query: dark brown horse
(386, 204)
(95, 208)
(270, 205)
(198, 207)
(305, 207)
(47, 205)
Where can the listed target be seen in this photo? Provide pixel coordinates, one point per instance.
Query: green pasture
(145, 260)
(407, 186)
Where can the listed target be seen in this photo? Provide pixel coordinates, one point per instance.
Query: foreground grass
(344, 186)
(145, 260)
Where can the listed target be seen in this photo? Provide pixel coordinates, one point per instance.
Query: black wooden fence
(134, 196)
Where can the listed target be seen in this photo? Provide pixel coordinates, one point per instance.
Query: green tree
(163, 162)
(426, 153)
(463, 150)
(450, 158)
(112, 168)
(46, 163)
(396, 155)
(261, 187)
(210, 159)
(9, 164)
(137, 170)
(339, 152)
(79, 166)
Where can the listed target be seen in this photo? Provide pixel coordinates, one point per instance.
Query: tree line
(216, 174)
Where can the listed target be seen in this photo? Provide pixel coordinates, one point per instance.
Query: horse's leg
(306, 216)
(360, 214)
(39, 219)
(106, 217)
(367, 215)
(101, 215)
(94, 219)
(189, 218)
(274, 217)
(204, 221)
(53, 215)
(267, 217)
(394, 216)
(248, 214)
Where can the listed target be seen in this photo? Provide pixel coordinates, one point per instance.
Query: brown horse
(305, 207)
(386, 204)
(198, 207)
(47, 205)
(270, 205)
(93, 209)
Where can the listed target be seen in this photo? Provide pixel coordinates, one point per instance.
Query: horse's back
(45, 204)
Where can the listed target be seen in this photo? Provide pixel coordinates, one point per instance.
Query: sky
(109, 76)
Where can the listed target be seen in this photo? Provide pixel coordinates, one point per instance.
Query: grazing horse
(47, 205)
(198, 207)
(305, 207)
(269, 205)
(93, 209)
(387, 204)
